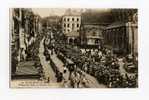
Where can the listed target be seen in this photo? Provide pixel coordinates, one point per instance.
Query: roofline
(95, 23)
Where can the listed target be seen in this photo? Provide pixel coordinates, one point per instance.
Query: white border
(75, 94)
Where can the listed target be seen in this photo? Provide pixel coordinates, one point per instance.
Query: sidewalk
(60, 65)
(48, 71)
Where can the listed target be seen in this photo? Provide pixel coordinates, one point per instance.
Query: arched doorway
(70, 41)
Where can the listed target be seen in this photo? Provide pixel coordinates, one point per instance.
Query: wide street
(91, 81)
(49, 73)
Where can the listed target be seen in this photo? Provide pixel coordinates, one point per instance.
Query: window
(77, 25)
(64, 25)
(64, 19)
(96, 41)
(77, 19)
(77, 30)
(67, 25)
(72, 19)
(68, 30)
(72, 26)
(68, 19)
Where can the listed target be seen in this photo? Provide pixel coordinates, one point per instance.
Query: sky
(44, 12)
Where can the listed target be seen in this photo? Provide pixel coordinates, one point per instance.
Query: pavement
(60, 65)
(48, 71)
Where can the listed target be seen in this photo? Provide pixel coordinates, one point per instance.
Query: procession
(81, 48)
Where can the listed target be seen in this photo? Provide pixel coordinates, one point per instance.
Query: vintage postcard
(73, 48)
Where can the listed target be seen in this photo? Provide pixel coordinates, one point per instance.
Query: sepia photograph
(73, 47)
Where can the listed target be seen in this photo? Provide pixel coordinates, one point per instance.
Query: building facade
(71, 27)
(91, 34)
(122, 35)
(24, 27)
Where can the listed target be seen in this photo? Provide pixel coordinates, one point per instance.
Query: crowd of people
(100, 63)
(76, 78)
(103, 65)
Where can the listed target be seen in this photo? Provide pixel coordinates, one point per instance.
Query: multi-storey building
(94, 21)
(122, 34)
(24, 27)
(91, 35)
(71, 27)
